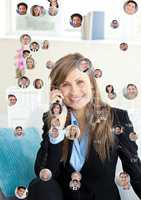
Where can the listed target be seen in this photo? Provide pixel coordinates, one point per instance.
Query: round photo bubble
(118, 129)
(97, 73)
(114, 24)
(50, 64)
(76, 176)
(84, 64)
(34, 46)
(56, 109)
(45, 174)
(74, 185)
(76, 20)
(54, 132)
(22, 8)
(45, 44)
(37, 11)
(38, 83)
(110, 91)
(25, 39)
(52, 11)
(72, 132)
(54, 3)
(130, 7)
(12, 99)
(19, 131)
(21, 192)
(123, 46)
(133, 136)
(55, 122)
(26, 54)
(130, 91)
(30, 63)
(123, 180)
(23, 82)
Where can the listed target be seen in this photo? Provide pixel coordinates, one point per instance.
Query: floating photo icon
(30, 63)
(72, 132)
(45, 44)
(37, 11)
(34, 46)
(56, 109)
(76, 176)
(76, 20)
(22, 8)
(54, 132)
(52, 11)
(50, 64)
(21, 192)
(25, 39)
(55, 122)
(123, 46)
(133, 136)
(26, 53)
(130, 91)
(110, 91)
(19, 131)
(97, 73)
(23, 82)
(12, 99)
(114, 24)
(45, 174)
(118, 129)
(123, 180)
(38, 83)
(84, 64)
(74, 185)
(130, 7)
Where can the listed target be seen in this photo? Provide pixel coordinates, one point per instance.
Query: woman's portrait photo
(45, 174)
(38, 83)
(84, 64)
(110, 91)
(30, 63)
(72, 132)
(45, 44)
(76, 20)
(130, 7)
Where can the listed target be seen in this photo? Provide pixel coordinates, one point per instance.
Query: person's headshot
(45, 44)
(130, 92)
(49, 64)
(45, 174)
(110, 91)
(55, 122)
(124, 180)
(22, 8)
(30, 63)
(12, 100)
(23, 82)
(133, 136)
(38, 83)
(52, 11)
(84, 64)
(97, 73)
(37, 11)
(76, 176)
(34, 46)
(130, 7)
(54, 132)
(123, 46)
(54, 3)
(56, 109)
(76, 20)
(25, 39)
(26, 53)
(74, 185)
(72, 132)
(21, 192)
(114, 24)
(19, 131)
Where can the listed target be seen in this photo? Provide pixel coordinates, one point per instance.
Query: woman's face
(73, 131)
(30, 63)
(110, 88)
(130, 8)
(76, 90)
(36, 11)
(56, 109)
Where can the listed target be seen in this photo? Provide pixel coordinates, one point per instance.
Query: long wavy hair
(98, 115)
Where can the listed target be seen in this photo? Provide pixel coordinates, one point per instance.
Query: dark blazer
(98, 177)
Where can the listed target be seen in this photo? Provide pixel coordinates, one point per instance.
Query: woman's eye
(80, 82)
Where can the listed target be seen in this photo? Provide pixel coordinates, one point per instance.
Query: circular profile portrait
(23, 82)
(45, 44)
(37, 11)
(45, 174)
(72, 132)
(76, 176)
(74, 185)
(130, 91)
(76, 20)
(130, 7)
(97, 73)
(26, 53)
(34, 46)
(114, 24)
(19, 131)
(38, 83)
(12, 99)
(25, 39)
(123, 180)
(50, 64)
(84, 64)
(21, 192)
(55, 122)
(110, 91)
(54, 132)
(56, 108)
(30, 63)
(118, 129)
(22, 8)
(54, 3)
(52, 11)
(133, 136)
(123, 46)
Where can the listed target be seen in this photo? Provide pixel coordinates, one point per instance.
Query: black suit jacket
(97, 177)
